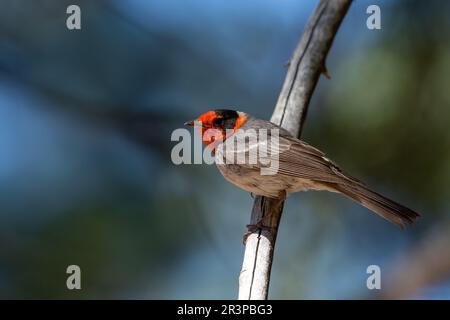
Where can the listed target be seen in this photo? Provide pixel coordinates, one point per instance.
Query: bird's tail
(386, 208)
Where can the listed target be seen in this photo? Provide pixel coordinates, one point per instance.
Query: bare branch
(305, 67)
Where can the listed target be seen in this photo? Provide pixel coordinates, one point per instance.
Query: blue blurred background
(86, 176)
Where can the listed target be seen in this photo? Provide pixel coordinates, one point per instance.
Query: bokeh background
(86, 176)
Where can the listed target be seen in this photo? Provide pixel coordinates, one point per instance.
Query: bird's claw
(252, 228)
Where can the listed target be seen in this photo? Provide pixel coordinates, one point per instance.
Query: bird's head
(216, 124)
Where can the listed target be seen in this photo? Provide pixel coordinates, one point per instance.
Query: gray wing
(295, 157)
(299, 159)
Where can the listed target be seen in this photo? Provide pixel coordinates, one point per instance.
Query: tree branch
(305, 67)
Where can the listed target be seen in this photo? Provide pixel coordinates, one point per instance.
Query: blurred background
(86, 176)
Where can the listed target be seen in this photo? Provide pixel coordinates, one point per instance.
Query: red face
(215, 123)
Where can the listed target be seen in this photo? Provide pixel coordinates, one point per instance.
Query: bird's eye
(218, 122)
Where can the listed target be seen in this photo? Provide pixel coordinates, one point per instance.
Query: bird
(300, 166)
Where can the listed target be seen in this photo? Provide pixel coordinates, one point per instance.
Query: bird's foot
(252, 228)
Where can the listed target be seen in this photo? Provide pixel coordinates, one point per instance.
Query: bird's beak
(189, 123)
